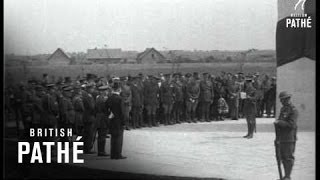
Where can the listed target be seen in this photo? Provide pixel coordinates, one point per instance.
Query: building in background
(102, 56)
(150, 55)
(59, 57)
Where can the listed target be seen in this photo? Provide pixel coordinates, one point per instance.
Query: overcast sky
(41, 26)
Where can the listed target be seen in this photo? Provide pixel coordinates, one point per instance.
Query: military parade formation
(109, 105)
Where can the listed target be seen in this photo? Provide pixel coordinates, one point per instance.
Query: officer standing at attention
(102, 119)
(206, 96)
(88, 118)
(114, 111)
(286, 126)
(249, 108)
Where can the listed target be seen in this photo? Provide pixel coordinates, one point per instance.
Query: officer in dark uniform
(89, 118)
(102, 119)
(206, 96)
(250, 108)
(114, 111)
(166, 98)
(286, 125)
(79, 109)
(67, 112)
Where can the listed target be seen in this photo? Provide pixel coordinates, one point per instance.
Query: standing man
(126, 101)
(151, 102)
(286, 127)
(206, 97)
(67, 112)
(234, 93)
(88, 118)
(114, 111)
(137, 103)
(192, 99)
(166, 98)
(249, 108)
(102, 119)
(271, 98)
(79, 109)
(178, 97)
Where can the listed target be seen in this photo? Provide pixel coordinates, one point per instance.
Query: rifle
(277, 149)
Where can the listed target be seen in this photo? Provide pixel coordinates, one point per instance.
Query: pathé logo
(302, 2)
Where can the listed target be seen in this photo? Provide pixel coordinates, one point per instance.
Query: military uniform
(88, 120)
(287, 132)
(79, 109)
(166, 98)
(192, 99)
(250, 109)
(233, 94)
(206, 97)
(126, 103)
(151, 102)
(113, 105)
(102, 121)
(137, 104)
(178, 100)
(67, 112)
(259, 97)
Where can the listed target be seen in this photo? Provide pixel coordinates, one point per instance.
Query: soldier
(114, 111)
(286, 126)
(38, 111)
(102, 119)
(271, 98)
(250, 108)
(178, 97)
(233, 94)
(137, 103)
(206, 96)
(166, 98)
(79, 109)
(89, 120)
(151, 102)
(241, 82)
(126, 100)
(192, 98)
(51, 109)
(67, 111)
(257, 84)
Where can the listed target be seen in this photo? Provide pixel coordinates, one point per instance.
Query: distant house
(150, 55)
(59, 57)
(104, 55)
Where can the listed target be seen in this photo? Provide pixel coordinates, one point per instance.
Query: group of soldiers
(146, 101)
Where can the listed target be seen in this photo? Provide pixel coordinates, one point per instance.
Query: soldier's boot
(287, 165)
(251, 131)
(248, 125)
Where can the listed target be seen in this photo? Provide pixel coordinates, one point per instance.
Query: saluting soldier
(250, 108)
(102, 119)
(88, 118)
(126, 101)
(166, 98)
(151, 102)
(192, 99)
(286, 126)
(206, 96)
(114, 112)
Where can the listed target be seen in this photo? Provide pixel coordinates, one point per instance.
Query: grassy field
(18, 74)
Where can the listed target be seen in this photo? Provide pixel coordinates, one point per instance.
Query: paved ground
(207, 150)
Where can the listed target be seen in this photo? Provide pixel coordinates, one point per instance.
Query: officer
(166, 98)
(79, 109)
(67, 111)
(192, 99)
(137, 103)
(151, 102)
(114, 112)
(287, 129)
(126, 100)
(102, 119)
(178, 97)
(89, 120)
(206, 96)
(249, 108)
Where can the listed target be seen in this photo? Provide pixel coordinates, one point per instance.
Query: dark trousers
(88, 136)
(177, 110)
(205, 109)
(102, 135)
(287, 156)
(116, 144)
